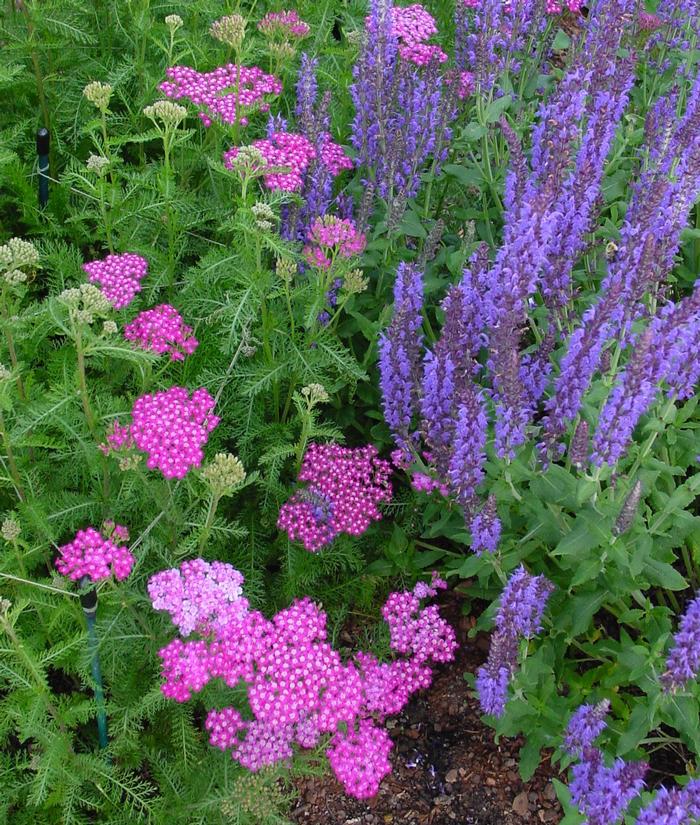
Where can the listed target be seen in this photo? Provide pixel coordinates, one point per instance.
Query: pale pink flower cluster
(297, 685)
(330, 237)
(288, 156)
(162, 330)
(344, 488)
(649, 22)
(413, 26)
(283, 24)
(219, 94)
(95, 555)
(423, 483)
(118, 276)
(557, 6)
(198, 595)
(416, 631)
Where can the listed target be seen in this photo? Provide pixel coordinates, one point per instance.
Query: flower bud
(229, 30)
(98, 94)
(224, 474)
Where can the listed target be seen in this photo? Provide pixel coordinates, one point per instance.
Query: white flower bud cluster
(229, 30)
(264, 216)
(172, 114)
(10, 529)
(315, 394)
(97, 164)
(174, 22)
(85, 303)
(98, 94)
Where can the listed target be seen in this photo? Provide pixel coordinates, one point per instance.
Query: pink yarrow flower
(219, 94)
(330, 237)
(96, 555)
(162, 330)
(172, 428)
(287, 155)
(422, 53)
(297, 685)
(118, 276)
(344, 488)
(283, 24)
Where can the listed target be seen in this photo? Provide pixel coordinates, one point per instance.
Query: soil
(447, 770)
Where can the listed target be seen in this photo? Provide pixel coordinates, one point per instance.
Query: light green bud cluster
(10, 529)
(224, 474)
(355, 282)
(229, 30)
(99, 94)
(172, 114)
(314, 394)
(85, 303)
(264, 216)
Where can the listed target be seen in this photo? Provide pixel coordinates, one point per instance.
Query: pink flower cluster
(218, 92)
(283, 24)
(413, 26)
(557, 6)
(162, 330)
(345, 487)
(170, 427)
(298, 687)
(96, 555)
(333, 156)
(330, 237)
(118, 276)
(287, 154)
(649, 22)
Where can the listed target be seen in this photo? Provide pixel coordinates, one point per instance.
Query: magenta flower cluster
(283, 24)
(228, 94)
(162, 330)
(118, 276)
(288, 156)
(171, 427)
(298, 687)
(344, 488)
(330, 237)
(96, 555)
(413, 26)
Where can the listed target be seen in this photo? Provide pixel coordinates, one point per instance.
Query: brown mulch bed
(446, 767)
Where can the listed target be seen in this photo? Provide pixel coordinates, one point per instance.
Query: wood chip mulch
(446, 767)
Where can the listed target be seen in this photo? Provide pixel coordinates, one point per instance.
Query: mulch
(446, 767)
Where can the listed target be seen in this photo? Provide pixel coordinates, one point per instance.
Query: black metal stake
(89, 603)
(42, 150)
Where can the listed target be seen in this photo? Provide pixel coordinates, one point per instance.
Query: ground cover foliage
(422, 297)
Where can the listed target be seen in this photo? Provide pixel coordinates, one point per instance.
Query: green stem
(10, 341)
(82, 381)
(211, 513)
(14, 472)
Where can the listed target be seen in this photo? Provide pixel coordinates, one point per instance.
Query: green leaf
(530, 755)
(561, 41)
(496, 108)
(663, 574)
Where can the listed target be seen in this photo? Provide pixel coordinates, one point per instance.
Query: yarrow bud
(15, 255)
(98, 94)
(5, 374)
(85, 303)
(224, 474)
(97, 164)
(355, 282)
(264, 216)
(10, 529)
(109, 328)
(95, 555)
(286, 269)
(229, 30)
(314, 394)
(173, 22)
(172, 114)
